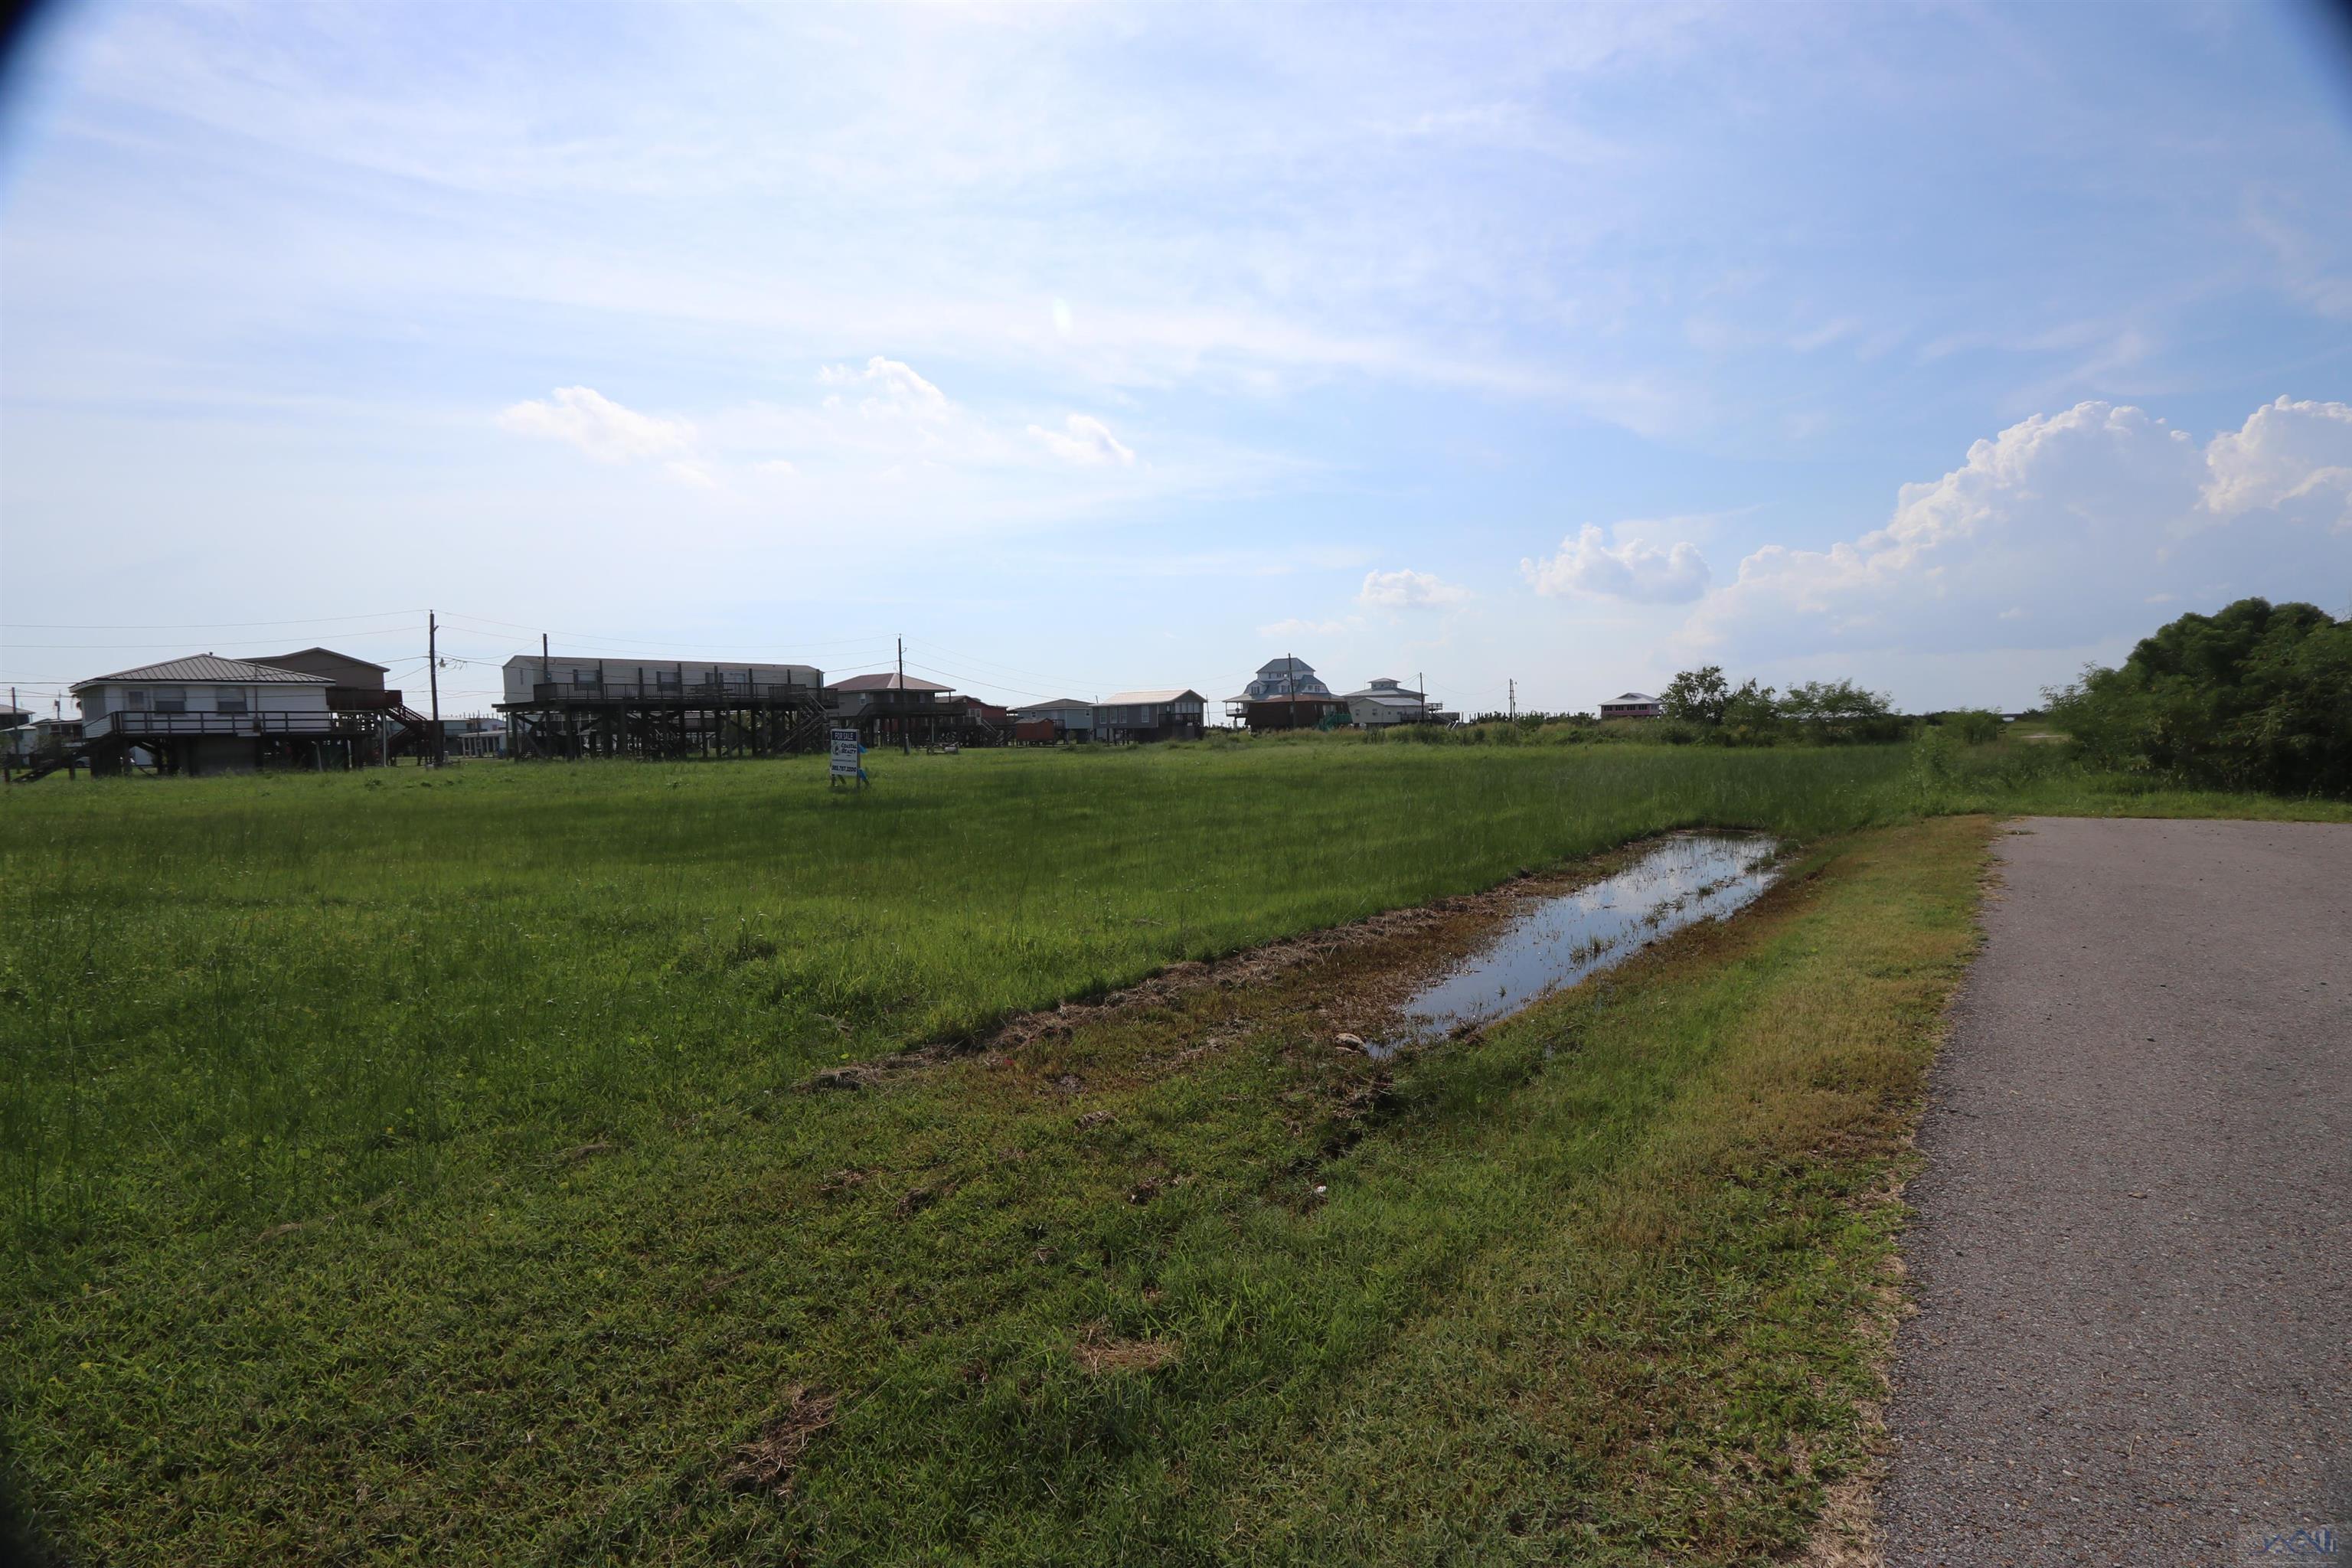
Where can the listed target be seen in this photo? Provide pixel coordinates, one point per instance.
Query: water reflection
(1689, 877)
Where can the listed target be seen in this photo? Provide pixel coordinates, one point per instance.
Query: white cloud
(1408, 589)
(2294, 457)
(2067, 524)
(598, 425)
(891, 388)
(1083, 438)
(1636, 569)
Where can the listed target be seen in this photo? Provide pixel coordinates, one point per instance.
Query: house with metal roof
(903, 708)
(1173, 714)
(207, 714)
(1387, 701)
(1630, 705)
(574, 706)
(1073, 718)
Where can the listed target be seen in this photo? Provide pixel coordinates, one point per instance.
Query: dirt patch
(1100, 1355)
(840, 1182)
(769, 1461)
(857, 1076)
(1418, 940)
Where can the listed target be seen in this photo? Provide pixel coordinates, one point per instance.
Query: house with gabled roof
(1630, 705)
(1175, 713)
(1073, 718)
(209, 714)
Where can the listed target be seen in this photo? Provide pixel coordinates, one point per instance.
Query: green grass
(248, 1000)
(411, 1168)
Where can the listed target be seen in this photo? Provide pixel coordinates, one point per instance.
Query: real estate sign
(846, 754)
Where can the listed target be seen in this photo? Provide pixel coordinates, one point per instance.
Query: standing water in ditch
(1689, 877)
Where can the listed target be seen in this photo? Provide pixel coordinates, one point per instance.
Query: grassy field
(401, 1167)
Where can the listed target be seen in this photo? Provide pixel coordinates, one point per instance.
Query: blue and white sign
(847, 756)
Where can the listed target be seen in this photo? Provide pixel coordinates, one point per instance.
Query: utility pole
(1515, 701)
(1421, 679)
(433, 672)
(906, 746)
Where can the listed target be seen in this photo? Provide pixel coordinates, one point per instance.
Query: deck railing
(173, 726)
(555, 693)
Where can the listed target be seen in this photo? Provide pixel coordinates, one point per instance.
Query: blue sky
(1091, 346)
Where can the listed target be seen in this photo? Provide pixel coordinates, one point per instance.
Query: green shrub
(2257, 697)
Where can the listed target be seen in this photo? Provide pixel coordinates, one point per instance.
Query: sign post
(848, 765)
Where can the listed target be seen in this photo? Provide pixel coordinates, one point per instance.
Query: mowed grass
(409, 1169)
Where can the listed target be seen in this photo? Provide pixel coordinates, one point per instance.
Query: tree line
(2258, 695)
(1751, 713)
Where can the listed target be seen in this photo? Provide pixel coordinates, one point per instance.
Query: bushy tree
(2256, 697)
(1840, 711)
(1974, 726)
(1697, 696)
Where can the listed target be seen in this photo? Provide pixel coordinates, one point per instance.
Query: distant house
(1072, 719)
(343, 668)
(1307, 710)
(207, 714)
(49, 741)
(1387, 700)
(479, 736)
(566, 705)
(537, 680)
(898, 708)
(1280, 682)
(359, 690)
(1630, 705)
(1172, 715)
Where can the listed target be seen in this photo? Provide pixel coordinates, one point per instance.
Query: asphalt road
(2133, 1251)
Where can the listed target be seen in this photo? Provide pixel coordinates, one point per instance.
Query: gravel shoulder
(2133, 1250)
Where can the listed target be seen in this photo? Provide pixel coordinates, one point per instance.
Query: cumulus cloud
(1083, 438)
(2066, 525)
(2293, 457)
(1406, 590)
(889, 387)
(1637, 570)
(598, 425)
